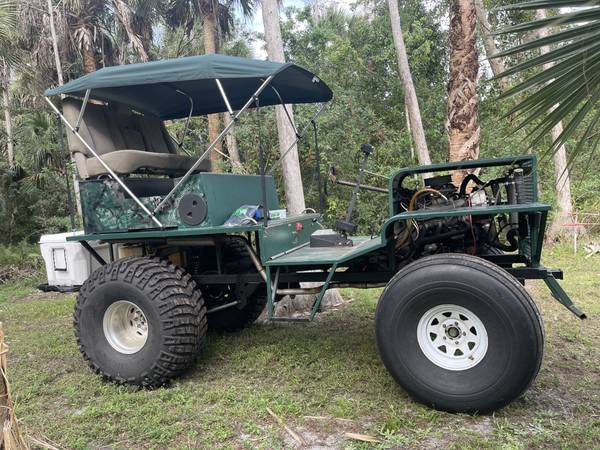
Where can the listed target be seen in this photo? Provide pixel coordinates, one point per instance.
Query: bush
(19, 261)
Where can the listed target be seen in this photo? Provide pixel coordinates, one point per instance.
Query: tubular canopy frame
(184, 75)
(106, 166)
(212, 145)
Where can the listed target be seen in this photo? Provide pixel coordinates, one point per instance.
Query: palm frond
(8, 18)
(560, 74)
(9, 54)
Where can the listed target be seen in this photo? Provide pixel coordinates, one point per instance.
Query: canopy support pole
(287, 113)
(212, 145)
(101, 161)
(82, 111)
(261, 167)
(225, 99)
(187, 122)
(298, 137)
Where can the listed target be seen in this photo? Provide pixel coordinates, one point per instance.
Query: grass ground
(323, 379)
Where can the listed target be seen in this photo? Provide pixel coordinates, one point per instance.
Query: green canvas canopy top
(152, 87)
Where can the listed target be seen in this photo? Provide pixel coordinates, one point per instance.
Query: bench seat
(128, 142)
(135, 161)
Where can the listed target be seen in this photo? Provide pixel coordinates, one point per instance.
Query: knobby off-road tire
(139, 321)
(236, 260)
(459, 333)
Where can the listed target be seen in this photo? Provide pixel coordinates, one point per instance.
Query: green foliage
(19, 261)
(33, 193)
(569, 89)
(9, 56)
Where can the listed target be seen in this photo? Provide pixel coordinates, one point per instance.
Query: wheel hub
(452, 337)
(125, 327)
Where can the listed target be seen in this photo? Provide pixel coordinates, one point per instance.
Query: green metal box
(107, 208)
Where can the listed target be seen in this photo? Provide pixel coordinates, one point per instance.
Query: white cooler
(68, 264)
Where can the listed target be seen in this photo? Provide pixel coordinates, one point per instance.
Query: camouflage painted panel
(169, 214)
(106, 207)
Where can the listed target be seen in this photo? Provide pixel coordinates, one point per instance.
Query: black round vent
(192, 209)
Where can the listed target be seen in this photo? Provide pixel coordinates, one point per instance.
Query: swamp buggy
(454, 326)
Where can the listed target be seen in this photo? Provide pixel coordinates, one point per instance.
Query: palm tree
(105, 32)
(85, 20)
(217, 22)
(137, 17)
(8, 58)
(463, 129)
(411, 101)
(567, 87)
(562, 98)
(489, 44)
(562, 185)
(292, 177)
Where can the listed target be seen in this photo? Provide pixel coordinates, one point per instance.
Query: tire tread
(179, 306)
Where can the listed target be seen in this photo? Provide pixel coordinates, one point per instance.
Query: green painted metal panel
(329, 255)
(106, 207)
(310, 222)
(227, 192)
(283, 235)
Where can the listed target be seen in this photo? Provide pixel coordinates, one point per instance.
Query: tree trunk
(10, 146)
(125, 17)
(87, 52)
(209, 31)
(562, 188)
(59, 72)
(292, 178)
(561, 171)
(489, 44)
(410, 96)
(232, 147)
(463, 130)
(61, 81)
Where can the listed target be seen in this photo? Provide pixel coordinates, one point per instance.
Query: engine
(473, 234)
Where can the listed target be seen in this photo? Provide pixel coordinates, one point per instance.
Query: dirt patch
(39, 296)
(300, 305)
(324, 433)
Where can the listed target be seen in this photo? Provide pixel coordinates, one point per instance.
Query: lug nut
(456, 342)
(464, 333)
(444, 326)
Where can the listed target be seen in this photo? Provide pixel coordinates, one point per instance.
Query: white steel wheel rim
(452, 337)
(125, 327)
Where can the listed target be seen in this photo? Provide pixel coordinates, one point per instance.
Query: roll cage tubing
(209, 149)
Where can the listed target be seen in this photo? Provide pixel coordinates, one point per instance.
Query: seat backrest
(94, 129)
(155, 134)
(112, 128)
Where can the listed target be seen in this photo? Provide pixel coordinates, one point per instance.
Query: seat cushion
(131, 161)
